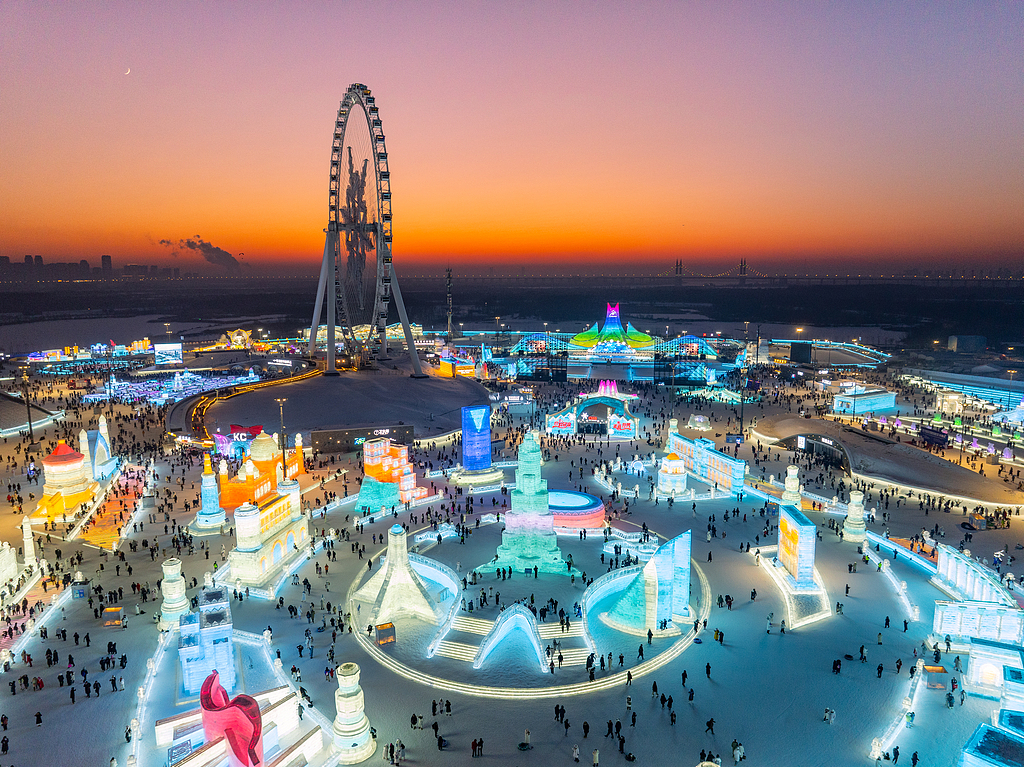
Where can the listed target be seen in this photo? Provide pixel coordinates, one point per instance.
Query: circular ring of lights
(532, 693)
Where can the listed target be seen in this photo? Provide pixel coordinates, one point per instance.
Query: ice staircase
(554, 631)
(456, 650)
(471, 625)
(572, 656)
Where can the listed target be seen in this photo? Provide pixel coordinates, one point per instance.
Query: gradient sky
(586, 132)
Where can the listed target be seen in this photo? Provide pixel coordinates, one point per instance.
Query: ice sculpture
(353, 741)
(659, 593)
(395, 590)
(529, 539)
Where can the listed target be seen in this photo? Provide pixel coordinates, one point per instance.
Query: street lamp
(284, 466)
(167, 330)
(1008, 392)
(28, 409)
(743, 377)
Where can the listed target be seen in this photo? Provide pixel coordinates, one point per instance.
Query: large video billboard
(168, 354)
(476, 437)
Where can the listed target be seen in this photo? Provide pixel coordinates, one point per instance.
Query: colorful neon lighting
(476, 438)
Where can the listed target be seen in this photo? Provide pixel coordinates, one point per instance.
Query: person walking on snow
(737, 752)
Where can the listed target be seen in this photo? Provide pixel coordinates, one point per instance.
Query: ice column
(791, 495)
(29, 542)
(175, 602)
(853, 528)
(352, 740)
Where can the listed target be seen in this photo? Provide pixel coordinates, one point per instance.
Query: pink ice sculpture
(236, 720)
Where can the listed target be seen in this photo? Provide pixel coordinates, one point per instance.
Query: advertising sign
(476, 437)
(562, 423)
(932, 436)
(621, 427)
(346, 440)
(167, 354)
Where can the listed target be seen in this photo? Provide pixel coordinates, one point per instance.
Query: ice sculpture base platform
(803, 605)
(475, 479)
(526, 551)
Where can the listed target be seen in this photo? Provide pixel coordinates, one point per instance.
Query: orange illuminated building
(67, 483)
(257, 480)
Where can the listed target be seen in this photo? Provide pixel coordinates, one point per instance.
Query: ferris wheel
(357, 277)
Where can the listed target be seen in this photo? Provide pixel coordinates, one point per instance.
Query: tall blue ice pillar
(476, 438)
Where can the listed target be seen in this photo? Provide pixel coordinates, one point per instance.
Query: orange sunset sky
(597, 134)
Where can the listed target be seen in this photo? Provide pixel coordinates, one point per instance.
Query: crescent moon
(129, 71)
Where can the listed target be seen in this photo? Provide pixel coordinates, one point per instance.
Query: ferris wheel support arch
(348, 236)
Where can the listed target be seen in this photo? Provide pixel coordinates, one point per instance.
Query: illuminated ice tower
(529, 539)
(210, 514)
(854, 530)
(172, 587)
(353, 741)
(476, 449)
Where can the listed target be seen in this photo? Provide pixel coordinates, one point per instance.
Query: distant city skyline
(819, 138)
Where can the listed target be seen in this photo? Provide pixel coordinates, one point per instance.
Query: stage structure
(357, 275)
(701, 459)
(614, 351)
(605, 411)
(858, 399)
(529, 540)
